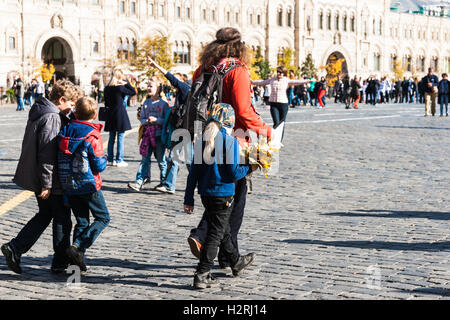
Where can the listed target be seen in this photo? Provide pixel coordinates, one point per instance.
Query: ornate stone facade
(80, 35)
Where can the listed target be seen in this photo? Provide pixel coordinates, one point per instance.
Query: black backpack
(205, 92)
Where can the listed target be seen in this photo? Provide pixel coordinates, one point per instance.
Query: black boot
(77, 257)
(204, 280)
(242, 263)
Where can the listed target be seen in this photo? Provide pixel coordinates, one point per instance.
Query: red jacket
(236, 92)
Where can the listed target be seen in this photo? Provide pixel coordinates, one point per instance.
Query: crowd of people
(26, 93)
(429, 90)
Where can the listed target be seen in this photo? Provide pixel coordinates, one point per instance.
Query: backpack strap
(222, 75)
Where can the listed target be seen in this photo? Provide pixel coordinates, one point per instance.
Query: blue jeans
(50, 210)
(84, 234)
(20, 105)
(144, 167)
(444, 102)
(290, 94)
(172, 173)
(120, 146)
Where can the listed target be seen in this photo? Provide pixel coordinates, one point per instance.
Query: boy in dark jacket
(80, 161)
(36, 171)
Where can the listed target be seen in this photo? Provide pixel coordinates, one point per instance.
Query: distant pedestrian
(430, 85)
(19, 92)
(80, 161)
(443, 92)
(279, 103)
(117, 121)
(355, 93)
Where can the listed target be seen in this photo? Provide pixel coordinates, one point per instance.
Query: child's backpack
(205, 92)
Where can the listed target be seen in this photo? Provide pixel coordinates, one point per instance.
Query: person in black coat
(117, 121)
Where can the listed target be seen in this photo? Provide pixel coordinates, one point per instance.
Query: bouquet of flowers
(262, 152)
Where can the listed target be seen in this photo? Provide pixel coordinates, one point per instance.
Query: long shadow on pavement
(432, 291)
(379, 245)
(44, 275)
(432, 215)
(424, 128)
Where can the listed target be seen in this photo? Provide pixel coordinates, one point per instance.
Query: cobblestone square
(358, 210)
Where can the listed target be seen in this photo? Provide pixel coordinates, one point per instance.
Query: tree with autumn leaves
(259, 67)
(334, 69)
(157, 48)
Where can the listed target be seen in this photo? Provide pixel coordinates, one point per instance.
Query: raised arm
(297, 82)
(261, 82)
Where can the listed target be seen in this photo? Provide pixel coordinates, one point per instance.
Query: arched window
(420, 63)
(328, 21)
(435, 63)
(308, 24)
(377, 61)
(289, 17)
(380, 27)
(344, 23)
(321, 20)
(280, 16)
(393, 61)
(352, 24)
(407, 61)
(336, 22)
(182, 52)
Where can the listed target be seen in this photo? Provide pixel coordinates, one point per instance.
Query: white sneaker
(135, 186)
(111, 164)
(121, 164)
(164, 189)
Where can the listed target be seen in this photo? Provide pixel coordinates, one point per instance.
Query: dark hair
(444, 75)
(283, 70)
(228, 44)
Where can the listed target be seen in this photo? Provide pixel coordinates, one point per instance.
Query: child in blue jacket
(80, 161)
(215, 175)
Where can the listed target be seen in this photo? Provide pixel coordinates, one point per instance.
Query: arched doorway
(338, 60)
(57, 51)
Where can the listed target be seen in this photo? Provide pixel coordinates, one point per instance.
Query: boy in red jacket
(80, 161)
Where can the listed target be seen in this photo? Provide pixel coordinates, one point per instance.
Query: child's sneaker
(204, 280)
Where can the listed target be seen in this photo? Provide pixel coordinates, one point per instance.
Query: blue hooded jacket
(217, 179)
(80, 157)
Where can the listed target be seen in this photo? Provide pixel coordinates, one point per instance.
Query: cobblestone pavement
(358, 210)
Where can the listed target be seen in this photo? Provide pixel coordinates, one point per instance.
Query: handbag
(102, 113)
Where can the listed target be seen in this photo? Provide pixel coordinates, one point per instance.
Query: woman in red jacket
(230, 55)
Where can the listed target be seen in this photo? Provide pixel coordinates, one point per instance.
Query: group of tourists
(428, 90)
(26, 93)
(283, 91)
(62, 158)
